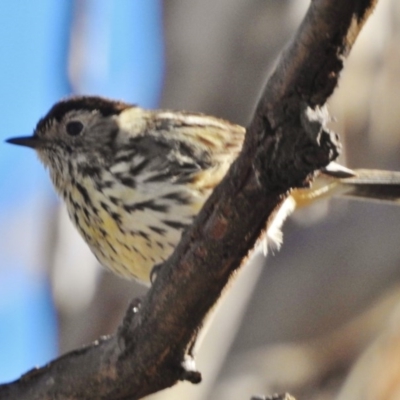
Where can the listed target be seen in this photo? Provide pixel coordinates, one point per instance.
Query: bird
(134, 179)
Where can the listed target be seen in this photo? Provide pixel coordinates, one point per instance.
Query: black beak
(33, 142)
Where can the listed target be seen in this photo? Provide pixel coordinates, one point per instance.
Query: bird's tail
(373, 185)
(360, 184)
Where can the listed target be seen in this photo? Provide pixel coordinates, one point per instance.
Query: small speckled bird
(133, 179)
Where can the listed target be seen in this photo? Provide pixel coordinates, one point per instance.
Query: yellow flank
(121, 240)
(115, 249)
(323, 186)
(304, 197)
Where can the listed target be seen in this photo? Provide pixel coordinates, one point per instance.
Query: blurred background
(320, 318)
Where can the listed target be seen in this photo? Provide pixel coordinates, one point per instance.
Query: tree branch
(285, 143)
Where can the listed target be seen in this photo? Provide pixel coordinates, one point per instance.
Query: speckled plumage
(134, 179)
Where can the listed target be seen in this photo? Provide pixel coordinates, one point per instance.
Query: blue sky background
(121, 55)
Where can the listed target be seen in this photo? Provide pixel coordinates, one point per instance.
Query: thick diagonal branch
(285, 143)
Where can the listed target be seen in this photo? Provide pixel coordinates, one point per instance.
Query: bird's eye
(74, 128)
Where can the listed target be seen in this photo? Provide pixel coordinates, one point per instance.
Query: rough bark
(286, 142)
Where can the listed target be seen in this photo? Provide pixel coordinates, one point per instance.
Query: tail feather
(360, 184)
(373, 185)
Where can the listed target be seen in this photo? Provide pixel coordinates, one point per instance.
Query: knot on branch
(129, 323)
(324, 144)
(289, 155)
(189, 372)
(282, 396)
